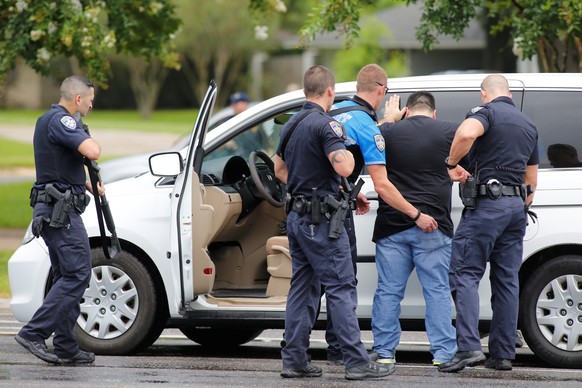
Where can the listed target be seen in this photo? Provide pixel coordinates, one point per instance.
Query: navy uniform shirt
(509, 144)
(306, 152)
(415, 150)
(57, 137)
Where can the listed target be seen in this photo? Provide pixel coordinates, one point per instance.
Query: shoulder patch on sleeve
(69, 122)
(337, 128)
(476, 109)
(380, 144)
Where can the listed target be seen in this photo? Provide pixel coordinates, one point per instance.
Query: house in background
(272, 74)
(476, 51)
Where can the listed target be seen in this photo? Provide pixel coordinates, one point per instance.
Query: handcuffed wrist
(417, 216)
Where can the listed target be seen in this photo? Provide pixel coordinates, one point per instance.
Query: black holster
(338, 211)
(62, 205)
(468, 193)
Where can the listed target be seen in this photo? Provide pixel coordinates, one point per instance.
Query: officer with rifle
(58, 198)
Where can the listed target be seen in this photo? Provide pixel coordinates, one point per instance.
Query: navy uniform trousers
(334, 348)
(492, 232)
(319, 261)
(70, 257)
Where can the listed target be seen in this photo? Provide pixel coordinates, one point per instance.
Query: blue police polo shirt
(363, 130)
(509, 144)
(57, 137)
(306, 152)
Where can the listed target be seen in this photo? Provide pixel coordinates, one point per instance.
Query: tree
(88, 30)
(216, 42)
(549, 28)
(366, 49)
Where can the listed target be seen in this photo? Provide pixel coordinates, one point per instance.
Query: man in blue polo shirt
(367, 145)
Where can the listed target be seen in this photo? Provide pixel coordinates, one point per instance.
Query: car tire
(551, 311)
(219, 337)
(121, 313)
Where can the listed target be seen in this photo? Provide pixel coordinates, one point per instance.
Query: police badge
(337, 128)
(69, 122)
(379, 140)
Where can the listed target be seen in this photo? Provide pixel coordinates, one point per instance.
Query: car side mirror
(166, 164)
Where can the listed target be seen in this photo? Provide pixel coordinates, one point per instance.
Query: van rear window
(558, 118)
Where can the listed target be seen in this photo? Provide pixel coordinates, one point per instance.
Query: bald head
(494, 86)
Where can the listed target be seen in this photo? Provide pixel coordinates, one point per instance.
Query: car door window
(263, 136)
(559, 126)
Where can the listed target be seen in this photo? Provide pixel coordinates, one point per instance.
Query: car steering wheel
(270, 188)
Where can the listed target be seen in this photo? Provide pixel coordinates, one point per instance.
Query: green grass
(4, 285)
(172, 121)
(16, 211)
(15, 154)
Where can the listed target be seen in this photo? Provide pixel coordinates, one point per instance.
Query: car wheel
(220, 337)
(551, 311)
(120, 310)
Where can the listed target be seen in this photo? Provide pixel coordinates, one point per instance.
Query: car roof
(461, 81)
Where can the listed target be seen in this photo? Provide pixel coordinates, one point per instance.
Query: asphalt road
(175, 361)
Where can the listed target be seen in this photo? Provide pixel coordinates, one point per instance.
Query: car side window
(263, 136)
(559, 126)
(451, 105)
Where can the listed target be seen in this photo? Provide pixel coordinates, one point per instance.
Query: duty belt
(508, 191)
(301, 205)
(495, 189)
(78, 201)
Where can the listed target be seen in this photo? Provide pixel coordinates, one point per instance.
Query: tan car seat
(278, 266)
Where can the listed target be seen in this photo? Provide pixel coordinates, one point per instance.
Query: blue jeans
(396, 256)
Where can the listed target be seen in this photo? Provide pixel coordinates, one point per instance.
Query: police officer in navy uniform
(311, 158)
(59, 197)
(504, 162)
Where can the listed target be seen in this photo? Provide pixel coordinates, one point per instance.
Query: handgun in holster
(468, 193)
(63, 201)
(338, 211)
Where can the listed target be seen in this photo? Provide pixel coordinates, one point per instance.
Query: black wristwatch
(450, 166)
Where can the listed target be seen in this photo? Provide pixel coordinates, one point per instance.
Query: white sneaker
(386, 360)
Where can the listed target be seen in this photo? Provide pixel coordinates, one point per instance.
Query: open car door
(192, 219)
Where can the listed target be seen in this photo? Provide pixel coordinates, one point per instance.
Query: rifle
(103, 212)
(101, 203)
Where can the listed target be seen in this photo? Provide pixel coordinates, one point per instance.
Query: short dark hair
(75, 86)
(316, 80)
(421, 98)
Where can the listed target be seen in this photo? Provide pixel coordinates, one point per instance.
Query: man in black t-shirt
(415, 148)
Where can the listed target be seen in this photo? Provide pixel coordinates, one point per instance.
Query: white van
(203, 251)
